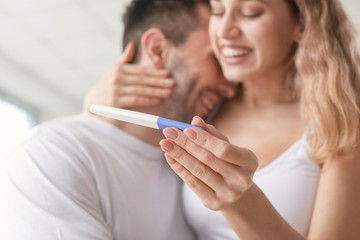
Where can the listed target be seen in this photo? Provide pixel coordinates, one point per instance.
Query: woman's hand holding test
(216, 170)
(221, 174)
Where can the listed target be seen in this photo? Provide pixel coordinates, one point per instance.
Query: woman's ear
(156, 46)
(299, 29)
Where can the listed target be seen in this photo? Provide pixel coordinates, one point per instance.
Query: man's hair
(175, 18)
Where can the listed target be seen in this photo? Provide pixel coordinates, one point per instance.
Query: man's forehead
(198, 43)
(205, 13)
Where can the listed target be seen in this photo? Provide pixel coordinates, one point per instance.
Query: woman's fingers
(230, 170)
(218, 145)
(206, 193)
(205, 182)
(214, 200)
(145, 71)
(198, 121)
(196, 151)
(196, 168)
(201, 170)
(134, 101)
(121, 73)
(128, 53)
(141, 91)
(207, 162)
(130, 85)
(151, 80)
(133, 96)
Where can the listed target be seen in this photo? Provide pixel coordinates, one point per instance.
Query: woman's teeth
(235, 52)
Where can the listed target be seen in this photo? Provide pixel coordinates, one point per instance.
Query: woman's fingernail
(165, 91)
(166, 146)
(163, 72)
(199, 118)
(154, 100)
(190, 134)
(168, 82)
(170, 159)
(170, 133)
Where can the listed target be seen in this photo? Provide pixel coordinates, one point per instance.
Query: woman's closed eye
(251, 14)
(250, 10)
(242, 10)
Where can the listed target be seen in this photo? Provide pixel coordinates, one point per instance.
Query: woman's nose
(228, 27)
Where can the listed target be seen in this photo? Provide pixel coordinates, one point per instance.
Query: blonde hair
(327, 72)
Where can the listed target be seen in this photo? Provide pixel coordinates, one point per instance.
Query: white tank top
(289, 182)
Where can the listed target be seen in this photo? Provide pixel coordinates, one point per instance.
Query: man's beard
(177, 108)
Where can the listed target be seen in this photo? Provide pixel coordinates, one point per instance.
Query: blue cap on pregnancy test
(142, 119)
(164, 123)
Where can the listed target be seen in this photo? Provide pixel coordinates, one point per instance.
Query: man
(84, 177)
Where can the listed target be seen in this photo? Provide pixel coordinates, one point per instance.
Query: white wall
(51, 52)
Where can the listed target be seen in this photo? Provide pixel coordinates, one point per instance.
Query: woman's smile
(233, 55)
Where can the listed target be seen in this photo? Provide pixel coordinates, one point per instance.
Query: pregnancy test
(138, 118)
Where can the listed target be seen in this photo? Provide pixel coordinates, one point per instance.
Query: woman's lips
(233, 55)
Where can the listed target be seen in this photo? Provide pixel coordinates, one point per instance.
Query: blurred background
(52, 52)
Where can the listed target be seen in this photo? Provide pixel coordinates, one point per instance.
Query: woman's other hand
(129, 85)
(217, 171)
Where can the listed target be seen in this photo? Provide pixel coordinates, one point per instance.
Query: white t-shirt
(289, 182)
(82, 178)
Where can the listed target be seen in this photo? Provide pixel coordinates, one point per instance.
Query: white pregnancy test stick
(139, 118)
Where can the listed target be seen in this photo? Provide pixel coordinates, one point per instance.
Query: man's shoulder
(70, 124)
(66, 129)
(55, 146)
(62, 134)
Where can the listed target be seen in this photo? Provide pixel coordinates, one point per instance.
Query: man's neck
(149, 135)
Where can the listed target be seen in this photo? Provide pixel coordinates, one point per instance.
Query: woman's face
(252, 38)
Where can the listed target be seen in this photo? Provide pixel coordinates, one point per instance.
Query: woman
(295, 120)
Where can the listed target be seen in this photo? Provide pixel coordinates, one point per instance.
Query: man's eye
(216, 13)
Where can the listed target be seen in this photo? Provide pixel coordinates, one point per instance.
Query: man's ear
(156, 46)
